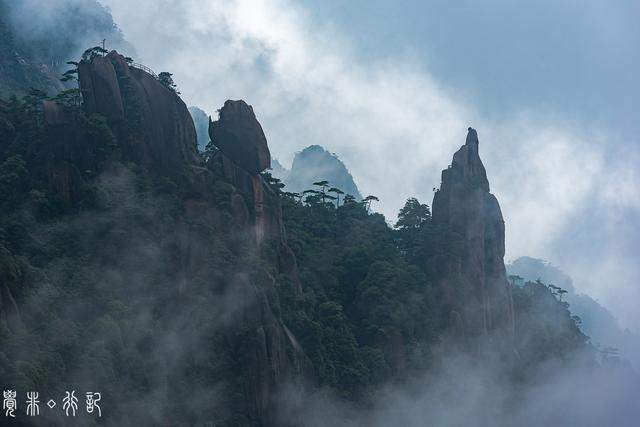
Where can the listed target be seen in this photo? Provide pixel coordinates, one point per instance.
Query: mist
(85, 23)
(466, 390)
(139, 290)
(569, 191)
(559, 180)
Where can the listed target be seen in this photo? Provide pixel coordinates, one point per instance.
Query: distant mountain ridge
(278, 171)
(34, 47)
(130, 260)
(201, 122)
(597, 321)
(313, 164)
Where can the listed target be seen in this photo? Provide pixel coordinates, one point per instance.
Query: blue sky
(391, 87)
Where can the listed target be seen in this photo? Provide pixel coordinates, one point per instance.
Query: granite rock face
(240, 137)
(275, 357)
(475, 286)
(151, 120)
(154, 128)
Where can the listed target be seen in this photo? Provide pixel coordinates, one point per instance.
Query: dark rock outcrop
(149, 118)
(63, 151)
(239, 136)
(153, 128)
(258, 206)
(475, 286)
(275, 358)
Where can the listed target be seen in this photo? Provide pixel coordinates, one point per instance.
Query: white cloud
(390, 121)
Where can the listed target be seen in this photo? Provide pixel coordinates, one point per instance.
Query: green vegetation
(166, 79)
(366, 312)
(125, 279)
(371, 312)
(92, 253)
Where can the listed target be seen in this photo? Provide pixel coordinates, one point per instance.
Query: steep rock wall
(152, 122)
(257, 207)
(153, 128)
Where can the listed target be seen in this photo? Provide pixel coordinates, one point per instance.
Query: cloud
(465, 390)
(58, 30)
(393, 124)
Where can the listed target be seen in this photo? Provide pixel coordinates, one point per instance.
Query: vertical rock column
(475, 287)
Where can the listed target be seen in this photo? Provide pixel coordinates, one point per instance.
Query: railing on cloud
(143, 68)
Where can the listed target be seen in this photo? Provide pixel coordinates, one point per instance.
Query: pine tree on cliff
(92, 52)
(413, 215)
(368, 200)
(71, 74)
(337, 192)
(415, 231)
(166, 79)
(323, 189)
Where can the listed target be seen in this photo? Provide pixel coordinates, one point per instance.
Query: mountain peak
(467, 166)
(464, 204)
(472, 137)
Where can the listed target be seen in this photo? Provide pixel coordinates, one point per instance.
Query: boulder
(239, 136)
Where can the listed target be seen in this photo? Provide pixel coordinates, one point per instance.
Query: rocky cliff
(275, 357)
(151, 120)
(211, 230)
(243, 154)
(475, 285)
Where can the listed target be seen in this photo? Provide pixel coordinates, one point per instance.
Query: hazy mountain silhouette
(201, 122)
(313, 164)
(597, 321)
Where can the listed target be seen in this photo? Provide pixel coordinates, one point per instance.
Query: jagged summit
(466, 165)
(475, 285)
(472, 135)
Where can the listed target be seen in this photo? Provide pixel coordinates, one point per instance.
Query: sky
(391, 88)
